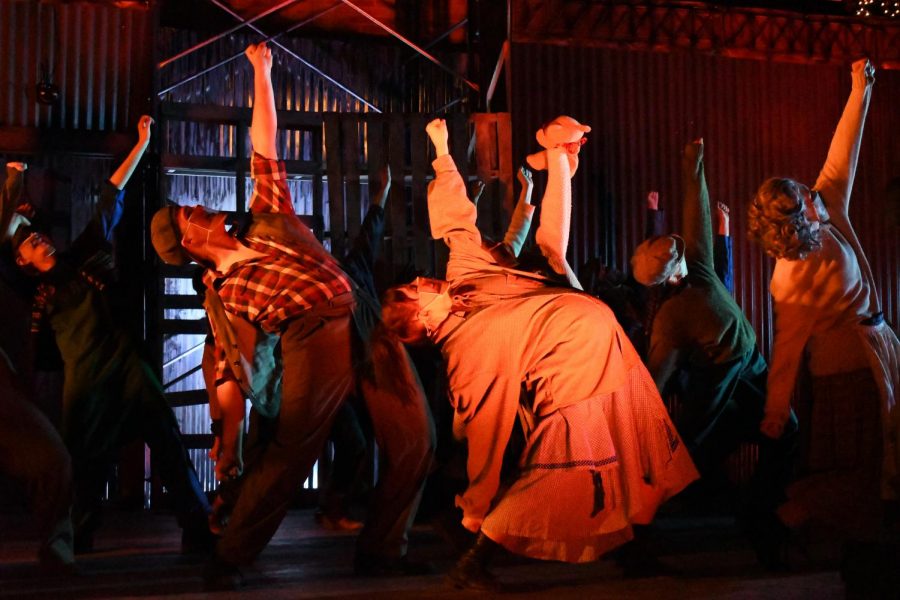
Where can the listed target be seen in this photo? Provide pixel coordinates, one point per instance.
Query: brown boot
(470, 571)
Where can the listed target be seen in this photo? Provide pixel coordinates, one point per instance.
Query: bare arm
(264, 126)
(520, 224)
(836, 178)
(121, 175)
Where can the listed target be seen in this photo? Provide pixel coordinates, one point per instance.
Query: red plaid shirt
(285, 283)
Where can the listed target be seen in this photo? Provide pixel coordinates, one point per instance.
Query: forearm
(556, 210)
(264, 124)
(449, 208)
(121, 175)
(836, 178)
(519, 226)
(697, 223)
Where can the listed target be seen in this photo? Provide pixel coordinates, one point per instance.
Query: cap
(657, 259)
(166, 237)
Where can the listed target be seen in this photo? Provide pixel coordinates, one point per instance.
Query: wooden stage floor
(138, 557)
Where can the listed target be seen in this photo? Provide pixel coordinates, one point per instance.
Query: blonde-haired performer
(828, 322)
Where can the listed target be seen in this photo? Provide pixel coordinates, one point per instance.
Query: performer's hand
(525, 178)
(260, 56)
(213, 453)
(18, 166)
(381, 197)
(477, 191)
(653, 201)
(143, 128)
(771, 428)
(439, 136)
(229, 466)
(723, 213)
(863, 72)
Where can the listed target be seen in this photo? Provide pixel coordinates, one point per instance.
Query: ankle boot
(470, 571)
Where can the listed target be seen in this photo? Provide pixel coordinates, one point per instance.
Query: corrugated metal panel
(89, 51)
(758, 119)
(379, 72)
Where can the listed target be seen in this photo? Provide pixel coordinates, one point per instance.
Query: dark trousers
(31, 452)
(150, 418)
(723, 407)
(319, 374)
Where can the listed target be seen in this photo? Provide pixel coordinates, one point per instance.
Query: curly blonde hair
(777, 220)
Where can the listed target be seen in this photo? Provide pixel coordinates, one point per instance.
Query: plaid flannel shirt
(285, 283)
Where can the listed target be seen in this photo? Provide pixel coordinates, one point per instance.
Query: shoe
(198, 540)
(470, 571)
(56, 564)
(221, 576)
(374, 566)
(472, 576)
(769, 538)
(337, 523)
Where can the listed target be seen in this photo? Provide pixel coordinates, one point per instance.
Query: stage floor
(137, 556)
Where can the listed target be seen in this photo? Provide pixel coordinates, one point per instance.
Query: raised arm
(360, 261)
(656, 217)
(270, 190)
(836, 178)
(723, 252)
(10, 197)
(697, 224)
(120, 177)
(450, 212)
(520, 224)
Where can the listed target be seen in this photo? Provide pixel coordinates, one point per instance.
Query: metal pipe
(184, 354)
(412, 45)
(437, 40)
(306, 63)
(313, 68)
(218, 37)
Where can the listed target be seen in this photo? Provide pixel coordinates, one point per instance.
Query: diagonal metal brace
(279, 45)
(296, 56)
(218, 37)
(409, 43)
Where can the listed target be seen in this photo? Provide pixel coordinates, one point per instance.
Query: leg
(350, 446)
(170, 458)
(314, 388)
(31, 451)
(405, 435)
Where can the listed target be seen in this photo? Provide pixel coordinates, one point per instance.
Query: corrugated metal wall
(391, 77)
(758, 119)
(91, 52)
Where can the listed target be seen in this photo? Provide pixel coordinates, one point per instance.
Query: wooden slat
(190, 398)
(205, 113)
(397, 210)
(181, 301)
(335, 182)
(183, 326)
(419, 154)
(350, 161)
(224, 165)
(376, 159)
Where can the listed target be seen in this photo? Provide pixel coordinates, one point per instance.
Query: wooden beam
(31, 140)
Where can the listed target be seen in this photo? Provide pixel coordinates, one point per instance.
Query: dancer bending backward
(110, 395)
(272, 280)
(828, 322)
(595, 425)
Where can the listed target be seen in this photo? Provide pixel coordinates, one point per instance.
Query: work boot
(470, 571)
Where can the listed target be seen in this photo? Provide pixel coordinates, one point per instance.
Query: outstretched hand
(693, 153)
(653, 201)
(439, 136)
(143, 127)
(259, 55)
(18, 166)
(525, 178)
(863, 70)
